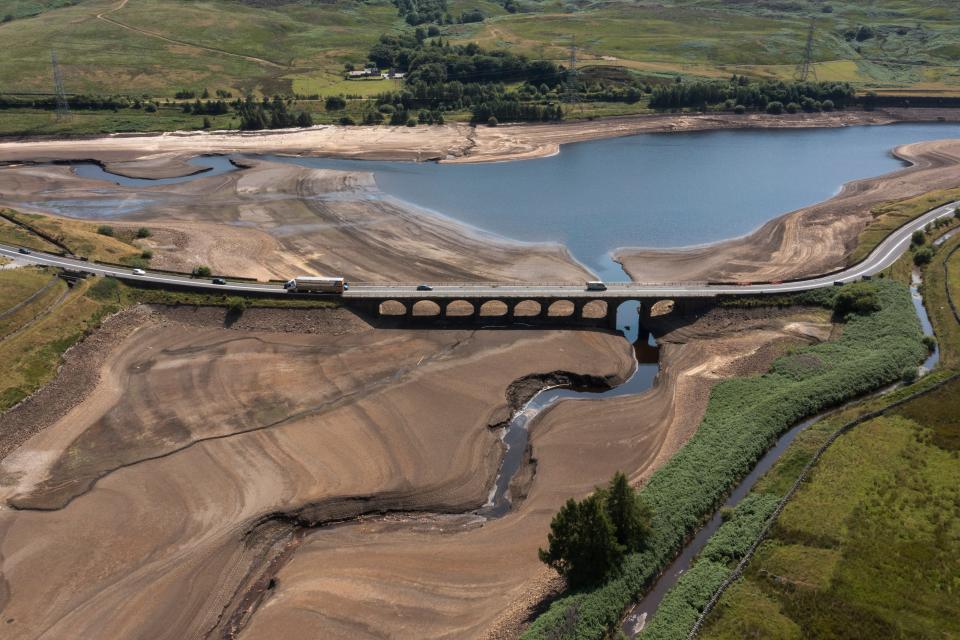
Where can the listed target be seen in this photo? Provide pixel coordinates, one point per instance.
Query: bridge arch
(392, 308)
(527, 309)
(661, 308)
(561, 309)
(494, 308)
(595, 309)
(460, 309)
(425, 308)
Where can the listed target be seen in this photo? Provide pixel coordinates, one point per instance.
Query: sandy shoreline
(161, 155)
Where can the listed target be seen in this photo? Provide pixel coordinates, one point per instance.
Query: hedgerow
(744, 417)
(682, 604)
(734, 537)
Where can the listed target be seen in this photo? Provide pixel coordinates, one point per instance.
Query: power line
(572, 89)
(63, 108)
(806, 67)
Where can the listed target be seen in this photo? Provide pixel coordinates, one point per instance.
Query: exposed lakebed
(651, 190)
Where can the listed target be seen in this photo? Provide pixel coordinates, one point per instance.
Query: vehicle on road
(424, 287)
(315, 284)
(218, 281)
(23, 251)
(838, 283)
(139, 272)
(596, 285)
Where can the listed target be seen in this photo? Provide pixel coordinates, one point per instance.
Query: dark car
(424, 287)
(218, 281)
(23, 251)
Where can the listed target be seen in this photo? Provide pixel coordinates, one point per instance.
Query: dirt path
(104, 16)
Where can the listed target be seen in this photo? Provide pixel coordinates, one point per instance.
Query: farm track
(37, 318)
(104, 17)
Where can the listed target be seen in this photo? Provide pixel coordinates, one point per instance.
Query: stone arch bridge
(573, 307)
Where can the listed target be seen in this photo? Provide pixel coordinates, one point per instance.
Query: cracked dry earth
(184, 496)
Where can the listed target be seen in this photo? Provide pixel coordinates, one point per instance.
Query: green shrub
(743, 419)
(105, 230)
(236, 304)
(918, 238)
(335, 103)
(146, 254)
(775, 108)
(202, 271)
(857, 298)
(104, 289)
(733, 539)
(143, 232)
(922, 256)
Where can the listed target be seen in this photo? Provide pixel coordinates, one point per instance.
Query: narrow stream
(208, 165)
(641, 612)
(517, 433)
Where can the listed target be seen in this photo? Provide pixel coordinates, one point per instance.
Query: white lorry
(315, 284)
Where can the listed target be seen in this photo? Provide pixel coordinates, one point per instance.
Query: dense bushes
(681, 606)
(743, 418)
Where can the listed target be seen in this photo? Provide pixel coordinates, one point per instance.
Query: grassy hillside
(159, 46)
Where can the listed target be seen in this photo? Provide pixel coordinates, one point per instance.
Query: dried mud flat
(274, 219)
(180, 497)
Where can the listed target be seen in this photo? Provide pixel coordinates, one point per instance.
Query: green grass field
(159, 46)
(868, 548)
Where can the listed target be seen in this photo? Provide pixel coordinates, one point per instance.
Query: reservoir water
(654, 190)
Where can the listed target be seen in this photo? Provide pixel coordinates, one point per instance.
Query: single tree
(629, 515)
(582, 543)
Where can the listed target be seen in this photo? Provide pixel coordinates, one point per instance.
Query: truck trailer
(315, 284)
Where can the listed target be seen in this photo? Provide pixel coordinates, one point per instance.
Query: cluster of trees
(270, 114)
(76, 102)
(588, 539)
(208, 108)
(741, 93)
(441, 77)
(510, 109)
(190, 94)
(438, 62)
(420, 11)
(743, 417)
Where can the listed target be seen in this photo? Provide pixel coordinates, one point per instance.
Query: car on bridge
(424, 287)
(139, 272)
(596, 285)
(218, 281)
(23, 251)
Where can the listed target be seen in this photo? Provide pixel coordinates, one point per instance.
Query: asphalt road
(882, 257)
